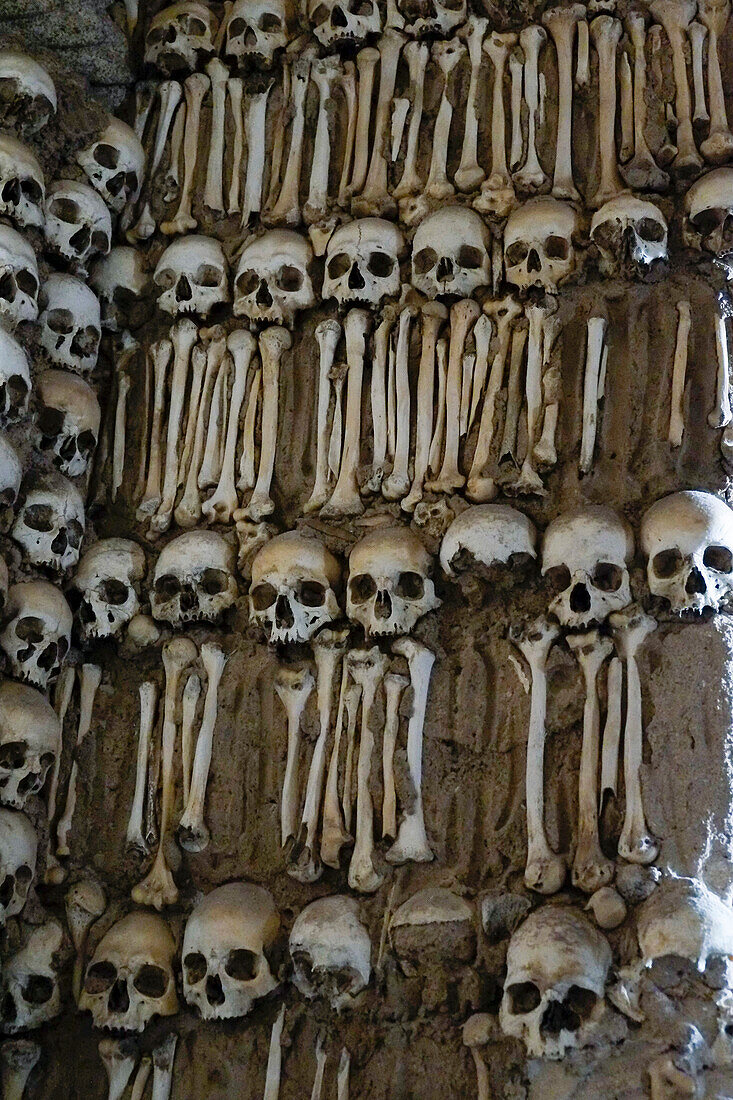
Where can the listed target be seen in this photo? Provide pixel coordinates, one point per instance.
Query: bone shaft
(721, 414)
(118, 450)
(148, 698)
(274, 1059)
(594, 354)
(679, 372)
(514, 390)
(611, 731)
(255, 137)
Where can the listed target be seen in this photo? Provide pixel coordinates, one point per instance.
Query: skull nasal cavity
(264, 298)
(580, 598)
(119, 1000)
(533, 261)
(444, 269)
(214, 991)
(356, 279)
(283, 612)
(695, 583)
(558, 1016)
(183, 290)
(383, 605)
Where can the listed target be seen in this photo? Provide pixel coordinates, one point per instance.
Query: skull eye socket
(50, 421)
(29, 629)
(649, 230)
(248, 282)
(556, 248)
(27, 282)
(269, 22)
(302, 962)
(263, 596)
(37, 990)
(380, 264)
(39, 517)
(167, 586)
(237, 27)
(707, 221)
(558, 577)
(667, 563)
(425, 261)
(66, 210)
(165, 279)
(607, 576)
(469, 257)
(113, 591)
(289, 279)
(106, 155)
(362, 587)
(195, 26)
(32, 190)
(311, 594)
(581, 1001)
(151, 981)
(207, 276)
(524, 997)
(410, 586)
(100, 241)
(516, 253)
(214, 581)
(241, 965)
(23, 877)
(74, 533)
(99, 977)
(195, 965)
(338, 265)
(320, 15)
(60, 321)
(12, 755)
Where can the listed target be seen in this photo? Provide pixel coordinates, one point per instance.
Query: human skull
(273, 280)
(11, 474)
(15, 379)
(331, 951)
(362, 262)
(292, 594)
(451, 253)
(50, 524)
(557, 965)
(683, 919)
(538, 244)
(256, 31)
(121, 284)
(67, 421)
(492, 534)
(432, 928)
(115, 164)
(194, 578)
(337, 23)
(687, 538)
(78, 223)
(425, 18)
(30, 983)
(27, 92)
(36, 632)
(192, 276)
(18, 278)
(22, 187)
(107, 584)
(630, 235)
(18, 848)
(181, 37)
(130, 977)
(585, 556)
(30, 742)
(709, 215)
(70, 323)
(225, 945)
(389, 589)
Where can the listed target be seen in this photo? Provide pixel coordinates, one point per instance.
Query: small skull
(426, 18)
(538, 244)
(30, 742)
(256, 31)
(130, 978)
(557, 965)
(11, 474)
(22, 187)
(107, 584)
(273, 281)
(292, 594)
(78, 223)
(225, 946)
(331, 952)
(709, 215)
(15, 380)
(451, 253)
(27, 92)
(585, 556)
(687, 539)
(36, 632)
(683, 919)
(492, 534)
(630, 235)
(30, 983)
(18, 848)
(389, 589)
(67, 421)
(337, 23)
(70, 323)
(121, 283)
(18, 278)
(194, 579)
(192, 276)
(362, 262)
(115, 164)
(433, 934)
(181, 38)
(50, 525)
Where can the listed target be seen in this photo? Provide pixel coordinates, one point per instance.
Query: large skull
(687, 538)
(421, 18)
(683, 919)
(22, 187)
(194, 578)
(107, 585)
(337, 23)
(18, 278)
(292, 594)
(15, 379)
(78, 223)
(50, 525)
(130, 977)
(11, 474)
(451, 253)
(630, 235)
(30, 983)
(121, 283)
(362, 262)
(557, 964)
(18, 847)
(331, 951)
(36, 633)
(228, 935)
(70, 323)
(181, 37)
(585, 555)
(492, 534)
(27, 92)
(256, 30)
(67, 421)
(709, 215)
(273, 280)
(538, 244)
(192, 276)
(115, 164)
(389, 589)
(30, 742)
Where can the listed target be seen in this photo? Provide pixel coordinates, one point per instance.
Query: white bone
(144, 98)
(531, 176)
(348, 87)
(412, 841)
(188, 510)
(337, 376)
(497, 192)
(516, 69)
(278, 141)
(433, 315)
(446, 55)
(468, 369)
(582, 65)
(193, 833)
(676, 16)
(293, 687)
(463, 315)
(170, 94)
(697, 34)
(394, 686)
(161, 353)
(191, 694)
(367, 667)
(514, 393)
(351, 701)
(544, 449)
(119, 1057)
(593, 358)
(562, 23)
(247, 462)
(400, 111)
(545, 869)
(273, 342)
(469, 173)
(171, 180)
(720, 415)
(345, 499)
(158, 889)
(62, 698)
(89, 680)
(220, 507)
(606, 32)
(255, 123)
(19, 1058)
(118, 449)
(718, 145)
(287, 208)
(274, 1059)
(397, 484)
(529, 480)
(214, 188)
(151, 793)
(366, 63)
(374, 198)
(391, 398)
(611, 732)
(679, 371)
(141, 1077)
(626, 150)
(163, 1059)
(210, 468)
(342, 1077)
(591, 869)
(436, 443)
(321, 1059)
(148, 691)
(333, 833)
(198, 365)
(85, 902)
(183, 337)
(325, 73)
(328, 334)
(476, 1034)
(235, 91)
(145, 428)
(416, 54)
(195, 86)
(642, 170)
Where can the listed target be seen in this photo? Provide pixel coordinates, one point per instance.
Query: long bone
(544, 448)
(626, 96)
(293, 687)
(278, 141)
(62, 697)
(469, 173)
(394, 686)
(246, 477)
(514, 393)
(593, 359)
(476, 1035)
(274, 341)
(144, 98)
(582, 64)
(366, 63)
(119, 1057)
(335, 444)
(19, 1059)
(141, 1077)
(433, 314)
(436, 443)
(611, 732)
(397, 484)
(235, 92)
(378, 398)
(161, 353)
(120, 441)
(84, 903)
(345, 499)
(367, 667)
(325, 73)
(606, 32)
(220, 507)
(214, 186)
(191, 694)
(321, 1059)
(463, 316)
(195, 86)
(158, 889)
(163, 1058)
(144, 427)
(170, 94)
(374, 197)
(676, 16)
(342, 1077)
(347, 85)
(529, 480)
(286, 210)
(151, 793)
(193, 833)
(446, 55)
(171, 181)
(183, 337)
(148, 692)
(198, 366)
(642, 171)
(516, 70)
(497, 192)
(210, 463)
(531, 176)
(591, 869)
(562, 23)
(718, 145)
(630, 629)
(697, 33)
(333, 834)
(416, 54)
(351, 702)
(545, 869)
(188, 510)
(720, 415)
(328, 334)
(274, 1059)
(679, 371)
(90, 678)
(255, 132)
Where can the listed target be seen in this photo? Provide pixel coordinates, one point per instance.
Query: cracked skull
(27, 92)
(107, 587)
(630, 235)
(434, 936)
(37, 631)
(225, 946)
(687, 539)
(331, 951)
(30, 741)
(67, 421)
(192, 276)
(451, 253)
(423, 18)
(273, 281)
(389, 589)
(337, 23)
(292, 594)
(50, 524)
(130, 977)
(256, 31)
(121, 284)
(18, 848)
(78, 223)
(362, 262)
(491, 534)
(194, 578)
(538, 244)
(557, 965)
(30, 982)
(15, 380)
(18, 279)
(70, 323)
(181, 38)
(115, 164)
(585, 556)
(22, 187)
(709, 215)
(11, 474)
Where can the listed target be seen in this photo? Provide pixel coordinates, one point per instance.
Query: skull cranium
(28, 92)
(331, 951)
(70, 323)
(15, 379)
(192, 276)
(18, 279)
(30, 742)
(30, 982)
(181, 37)
(337, 23)
(107, 586)
(451, 253)
(50, 524)
(37, 631)
(256, 31)
(389, 589)
(115, 164)
(292, 594)
(78, 223)
(630, 235)
(273, 281)
(22, 187)
(709, 215)
(18, 848)
(539, 249)
(194, 578)
(67, 421)
(362, 262)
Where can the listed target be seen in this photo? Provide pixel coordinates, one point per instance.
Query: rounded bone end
(608, 907)
(479, 1030)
